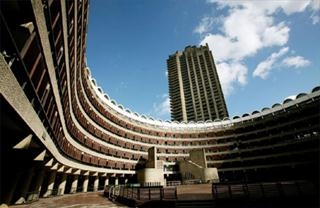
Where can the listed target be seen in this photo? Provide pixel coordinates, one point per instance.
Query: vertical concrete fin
(55, 167)
(49, 163)
(77, 172)
(68, 170)
(25, 143)
(61, 169)
(41, 156)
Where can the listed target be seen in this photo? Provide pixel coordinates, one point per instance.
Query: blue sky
(265, 51)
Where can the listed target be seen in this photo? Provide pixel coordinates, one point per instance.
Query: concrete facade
(151, 177)
(153, 173)
(194, 86)
(196, 168)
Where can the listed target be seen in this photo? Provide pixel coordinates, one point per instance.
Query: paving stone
(81, 200)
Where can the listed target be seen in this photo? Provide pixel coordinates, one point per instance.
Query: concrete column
(85, 184)
(15, 178)
(106, 182)
(74, 184)
(37, 186)
(62, 185)
(52, 178)
(25, 186)
(116, 182)
(96, 183)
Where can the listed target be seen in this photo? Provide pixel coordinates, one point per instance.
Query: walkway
(195, 192)
(80, 200)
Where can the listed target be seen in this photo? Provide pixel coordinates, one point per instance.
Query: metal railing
(192, 181)
(263, 190)
(140, 193)
(173, 183)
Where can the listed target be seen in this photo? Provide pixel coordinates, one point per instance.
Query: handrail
(263, 190)
(140, 193)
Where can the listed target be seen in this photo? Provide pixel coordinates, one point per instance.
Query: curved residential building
(60, 133)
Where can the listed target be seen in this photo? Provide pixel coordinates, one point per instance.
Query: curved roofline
(191, 124)
(287, 100)
(301, 95)
(317, 88)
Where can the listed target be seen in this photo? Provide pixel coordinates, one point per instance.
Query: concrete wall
(152, 158)
(210, 174)
(190, 170)
(151, 175)
(197, 156)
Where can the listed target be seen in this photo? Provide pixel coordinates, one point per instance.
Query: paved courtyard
(195, 192)
(81, 200)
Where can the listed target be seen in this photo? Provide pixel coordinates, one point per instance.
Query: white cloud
(163, 107)
(247, 28)
(245, 31)
(296, 61)
(315, 7)
(270, 6)
(315, 19)
(276, 35)
(205, 25)
(230, 74)
(263, 69)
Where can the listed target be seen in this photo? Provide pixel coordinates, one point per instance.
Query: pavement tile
(80, 200)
